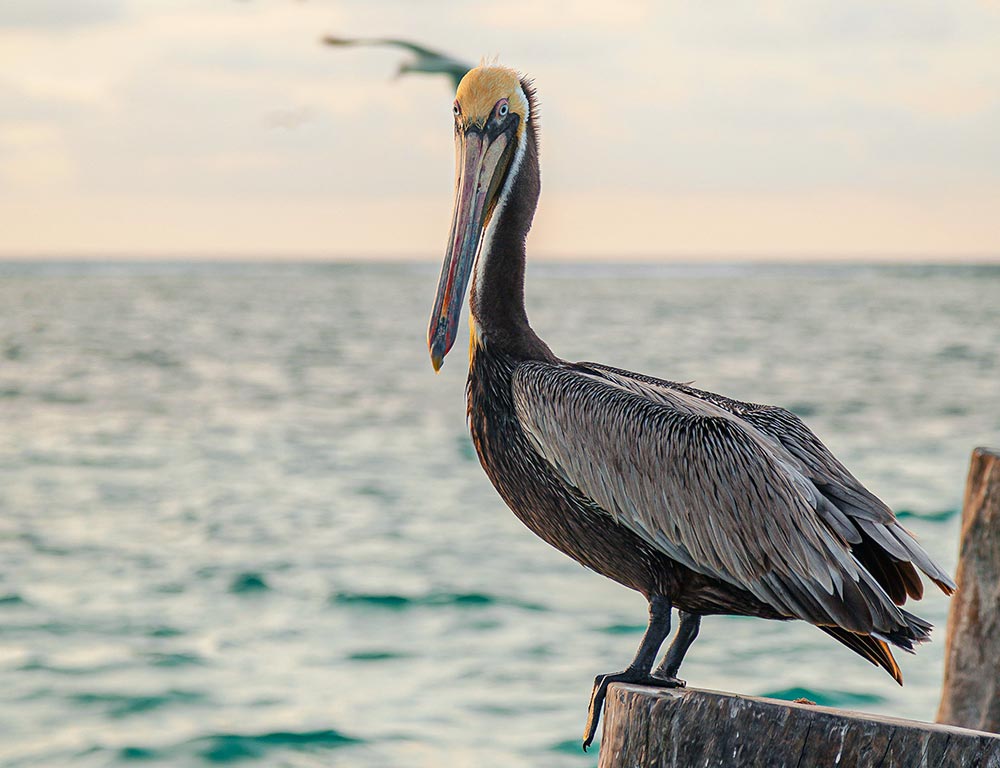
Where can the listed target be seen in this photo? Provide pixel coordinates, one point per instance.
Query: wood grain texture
(970, 695)
(691, 728)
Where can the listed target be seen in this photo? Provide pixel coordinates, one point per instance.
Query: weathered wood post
(689, 728)
(971, 693)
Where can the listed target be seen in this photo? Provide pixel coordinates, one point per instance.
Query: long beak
(481, 164)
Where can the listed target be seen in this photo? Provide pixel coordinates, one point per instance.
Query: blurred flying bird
(698, 502)
(427, 62)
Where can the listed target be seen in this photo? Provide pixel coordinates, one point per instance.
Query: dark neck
(497, 295)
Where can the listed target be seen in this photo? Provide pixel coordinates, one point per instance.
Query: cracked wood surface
(691, 728)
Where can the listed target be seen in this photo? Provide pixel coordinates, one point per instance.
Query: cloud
(58, 14)
(34, 156)
(211, 112)
(559, 16)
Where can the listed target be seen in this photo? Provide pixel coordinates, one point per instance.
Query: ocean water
(241, 520)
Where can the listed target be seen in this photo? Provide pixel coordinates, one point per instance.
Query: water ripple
(235, 502)
(246, 583)
(234, 747)
(826, 697)
(396, 602)
(119, 705)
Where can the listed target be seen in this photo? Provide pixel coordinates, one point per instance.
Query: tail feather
(916, 631)
(871, 648)
(910, 577)
(875, 646)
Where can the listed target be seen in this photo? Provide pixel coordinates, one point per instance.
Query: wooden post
(690, 728)
(971, 693)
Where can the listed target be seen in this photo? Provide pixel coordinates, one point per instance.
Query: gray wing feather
(428, 60)
(420, 50)
(847, 506)
(706, 488)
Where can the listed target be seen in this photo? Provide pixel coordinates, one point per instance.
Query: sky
(748, 129)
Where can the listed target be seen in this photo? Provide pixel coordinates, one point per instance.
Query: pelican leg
(686, 634)
(639, 670)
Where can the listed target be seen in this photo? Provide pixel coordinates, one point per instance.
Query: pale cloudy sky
(741, 129)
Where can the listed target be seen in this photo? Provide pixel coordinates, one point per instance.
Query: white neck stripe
(515, 167)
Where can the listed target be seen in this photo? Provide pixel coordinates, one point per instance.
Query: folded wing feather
(854, 512)
(706, 487)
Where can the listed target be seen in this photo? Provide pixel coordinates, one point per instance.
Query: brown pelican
(427, 61)
(699, 502)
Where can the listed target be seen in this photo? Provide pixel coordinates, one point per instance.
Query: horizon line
(715, 257)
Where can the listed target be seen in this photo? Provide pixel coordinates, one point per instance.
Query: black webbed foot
(669, 681)
(638, 671)
(600, 692)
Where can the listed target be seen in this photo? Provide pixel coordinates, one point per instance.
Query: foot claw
(597, 694)
(668, 681)
(600, 691)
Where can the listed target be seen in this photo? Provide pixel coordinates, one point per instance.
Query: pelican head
(491, 114)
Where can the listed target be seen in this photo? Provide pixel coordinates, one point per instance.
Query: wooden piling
(970, 696)
(690, 728)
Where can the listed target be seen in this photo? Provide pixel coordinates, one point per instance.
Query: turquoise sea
(241, 520)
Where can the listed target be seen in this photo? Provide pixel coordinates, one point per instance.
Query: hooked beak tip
(439, 346)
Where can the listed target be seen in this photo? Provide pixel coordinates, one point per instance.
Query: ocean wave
(12, 599)
(119, 705)
(235, 747)
(623, 629)
(366, 656)
(169, 660)
(826, 697)
(247, 583)
(396, 602)
(932, 517)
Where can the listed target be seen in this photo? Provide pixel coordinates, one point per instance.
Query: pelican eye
(456, 109)
(502, 108)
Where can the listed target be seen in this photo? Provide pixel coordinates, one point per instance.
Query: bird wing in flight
(703, 486)
(428, 60)
(419, 50)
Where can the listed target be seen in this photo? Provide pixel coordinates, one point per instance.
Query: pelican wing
(859, 516)
(704, 487)
(428, 60)
(428, 55)
(419, 50)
